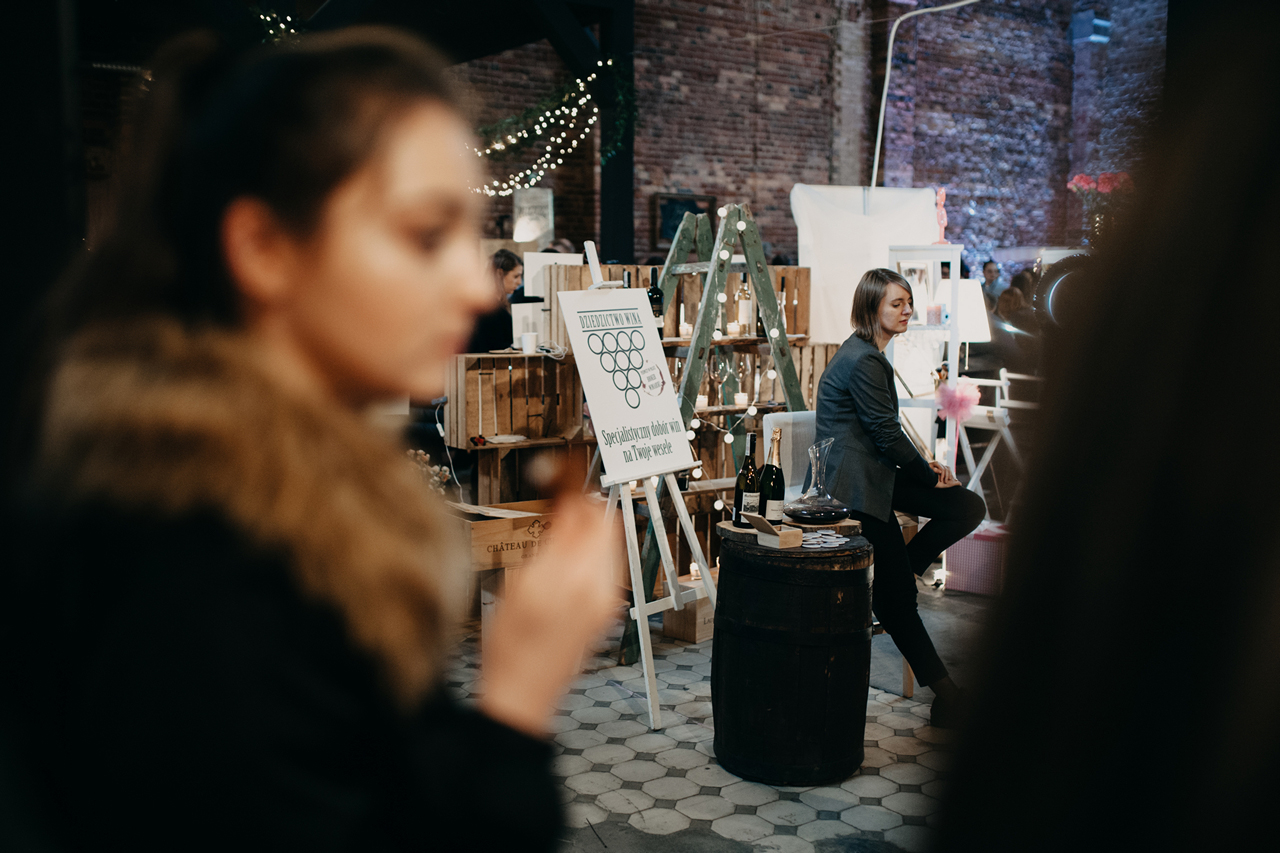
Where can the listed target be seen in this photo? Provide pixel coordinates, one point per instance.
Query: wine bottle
(626, 278)
(655, 295)
(782, 305)
(744, 305)
(746, 492)
(772, 485)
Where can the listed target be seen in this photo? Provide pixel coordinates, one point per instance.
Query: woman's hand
(551, 612)
(945, 478)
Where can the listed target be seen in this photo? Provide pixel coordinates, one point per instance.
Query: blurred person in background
(1132, 671)
(990, 283)
(1023, 316)
(493, 328)
(1013, 340)
(232, 600)
(1024, 280)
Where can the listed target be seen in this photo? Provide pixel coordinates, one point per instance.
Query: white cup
(529, 342)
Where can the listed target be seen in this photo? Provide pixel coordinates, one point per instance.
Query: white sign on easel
(640, 436)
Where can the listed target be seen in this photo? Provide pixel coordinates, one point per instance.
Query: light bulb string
(559, 122)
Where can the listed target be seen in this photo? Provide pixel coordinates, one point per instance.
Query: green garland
(625, 113)
(513, 134)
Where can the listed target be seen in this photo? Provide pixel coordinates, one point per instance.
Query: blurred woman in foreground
(236, 597)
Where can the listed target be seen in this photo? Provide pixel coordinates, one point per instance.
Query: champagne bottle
(746, 492)
(655, 295)
(772, 485)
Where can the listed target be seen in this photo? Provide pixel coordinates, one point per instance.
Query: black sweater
(172, 688)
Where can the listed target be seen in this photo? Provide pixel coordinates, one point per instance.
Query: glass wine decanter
(816, 506)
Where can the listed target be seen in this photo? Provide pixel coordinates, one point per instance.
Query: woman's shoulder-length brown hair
(865, 318)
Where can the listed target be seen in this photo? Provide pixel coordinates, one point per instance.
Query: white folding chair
(995, 419)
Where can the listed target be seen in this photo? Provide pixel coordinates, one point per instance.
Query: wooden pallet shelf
(688, 293)
(762, 407)
(730, 340)
(516, 394)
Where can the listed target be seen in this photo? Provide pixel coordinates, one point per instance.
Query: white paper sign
(535, 269)
(624, 373)
(838, 241)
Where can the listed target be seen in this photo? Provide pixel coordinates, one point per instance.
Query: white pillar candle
(700, 402)
(733, 328)
(686, 330)
(740, 399)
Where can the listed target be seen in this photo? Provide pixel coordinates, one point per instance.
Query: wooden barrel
(791, 661)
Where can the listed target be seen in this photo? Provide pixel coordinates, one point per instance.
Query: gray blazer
(858, 407)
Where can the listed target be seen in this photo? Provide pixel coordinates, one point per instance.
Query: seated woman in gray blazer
(875, 469)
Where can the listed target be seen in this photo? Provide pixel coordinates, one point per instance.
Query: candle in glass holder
(686, 330)
(740, 398)
(733, 328)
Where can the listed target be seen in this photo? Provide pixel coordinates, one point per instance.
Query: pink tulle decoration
(957, 402)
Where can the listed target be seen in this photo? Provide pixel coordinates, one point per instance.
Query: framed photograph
(918, 274)
(668, 209)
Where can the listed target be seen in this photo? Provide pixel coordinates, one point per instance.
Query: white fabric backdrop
(838, 242)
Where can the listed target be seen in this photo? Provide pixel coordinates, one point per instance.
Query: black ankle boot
(948, 712)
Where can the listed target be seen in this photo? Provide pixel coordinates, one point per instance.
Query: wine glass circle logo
(621, 356)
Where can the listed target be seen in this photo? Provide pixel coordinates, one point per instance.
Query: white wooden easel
(675, 599)
(614, 307)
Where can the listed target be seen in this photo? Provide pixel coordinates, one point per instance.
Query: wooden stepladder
(715, 265)
(676, 598)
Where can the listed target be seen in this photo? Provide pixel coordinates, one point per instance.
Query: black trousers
(953, 514)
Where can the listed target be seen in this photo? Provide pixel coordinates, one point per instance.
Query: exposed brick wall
(854, 101)
(1117, 88)
(729, 108)
(991, 101)
(992, 86)
(1132, 82)
(741, 99)
(507, 83)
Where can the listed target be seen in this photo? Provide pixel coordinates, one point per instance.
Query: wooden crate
(530, 395)
(501, 469)
(695, 622)
(500, 538)
(504, 536)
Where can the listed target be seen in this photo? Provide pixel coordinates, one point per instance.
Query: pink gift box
(977, 562)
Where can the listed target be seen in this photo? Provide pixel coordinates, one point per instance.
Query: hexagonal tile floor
(666, 785)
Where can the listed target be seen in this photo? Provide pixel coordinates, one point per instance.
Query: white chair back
(798, 432)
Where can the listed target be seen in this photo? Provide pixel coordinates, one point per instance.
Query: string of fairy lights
(566, 127)
(275, 27)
